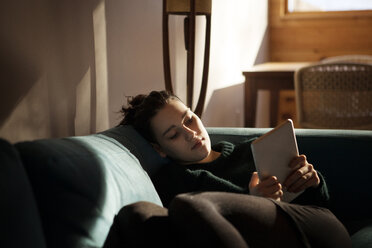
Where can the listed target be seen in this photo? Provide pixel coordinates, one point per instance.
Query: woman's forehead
(171, 114)
(173, 107)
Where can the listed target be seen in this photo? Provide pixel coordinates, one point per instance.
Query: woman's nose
(189, 133)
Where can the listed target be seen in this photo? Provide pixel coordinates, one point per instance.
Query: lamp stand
(189, 8)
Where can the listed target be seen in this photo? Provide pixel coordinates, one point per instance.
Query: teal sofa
(65, 192)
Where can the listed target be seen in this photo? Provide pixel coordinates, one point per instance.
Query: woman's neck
(213, 155)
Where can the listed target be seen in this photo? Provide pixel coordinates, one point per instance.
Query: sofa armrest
(20, 224)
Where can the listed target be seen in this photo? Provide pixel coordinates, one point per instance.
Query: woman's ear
(159, 150)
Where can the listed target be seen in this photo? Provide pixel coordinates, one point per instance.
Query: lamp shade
(202, 7)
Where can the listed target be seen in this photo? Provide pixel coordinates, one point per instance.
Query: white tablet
(272, 153)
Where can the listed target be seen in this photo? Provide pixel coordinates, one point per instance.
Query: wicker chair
(334, 96)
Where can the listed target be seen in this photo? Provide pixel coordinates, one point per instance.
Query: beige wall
(134, 50)
(238, 40)
(135, 46)
(67, 65)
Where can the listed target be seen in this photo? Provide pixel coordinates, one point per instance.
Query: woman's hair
(142, 108)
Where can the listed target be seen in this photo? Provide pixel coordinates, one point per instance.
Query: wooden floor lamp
(189, 8)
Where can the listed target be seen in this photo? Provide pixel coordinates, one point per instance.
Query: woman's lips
(197, 144)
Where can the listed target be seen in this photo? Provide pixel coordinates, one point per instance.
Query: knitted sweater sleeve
(173, 180)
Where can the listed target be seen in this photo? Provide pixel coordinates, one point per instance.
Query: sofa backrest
(80, 183)
(20, 224)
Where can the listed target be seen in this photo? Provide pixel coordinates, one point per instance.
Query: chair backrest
(334, 95)
(355, 58)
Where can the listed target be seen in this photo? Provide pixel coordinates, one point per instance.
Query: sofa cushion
(20, 224)
(150, 160)
(80, 183)
(363, 238)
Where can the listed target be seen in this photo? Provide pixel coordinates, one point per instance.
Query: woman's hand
(302, 176)
(268, 187)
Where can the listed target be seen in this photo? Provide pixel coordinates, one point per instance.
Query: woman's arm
(172, 180)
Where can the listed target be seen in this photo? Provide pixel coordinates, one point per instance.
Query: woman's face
(180, 134)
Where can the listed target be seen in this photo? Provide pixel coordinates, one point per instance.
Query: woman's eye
(173, 136)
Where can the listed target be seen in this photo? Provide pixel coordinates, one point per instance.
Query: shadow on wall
(14, 84)
(263, 52)
(225, 108)
(47, 49)
(20, 60)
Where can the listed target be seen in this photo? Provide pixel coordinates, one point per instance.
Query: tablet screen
(273, 151)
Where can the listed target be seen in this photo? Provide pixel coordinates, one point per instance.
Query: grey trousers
(217, 219)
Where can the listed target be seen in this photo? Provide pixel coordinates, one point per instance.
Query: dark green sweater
(231, 172)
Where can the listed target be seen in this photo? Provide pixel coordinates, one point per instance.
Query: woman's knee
(198, 216)
(136, 221)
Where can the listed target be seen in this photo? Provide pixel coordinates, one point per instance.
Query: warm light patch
(100, 48)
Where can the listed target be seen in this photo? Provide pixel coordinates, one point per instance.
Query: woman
(214, 195)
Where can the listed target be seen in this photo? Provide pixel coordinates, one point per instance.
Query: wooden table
(272, 76)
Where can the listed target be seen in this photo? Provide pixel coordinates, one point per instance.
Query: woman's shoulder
(221, 146)
(244, 143)
(235, 150)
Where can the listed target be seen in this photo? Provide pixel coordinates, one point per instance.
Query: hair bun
(141, 109)
(136, 101)
(130, 111)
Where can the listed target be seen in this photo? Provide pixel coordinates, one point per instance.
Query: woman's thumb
(254, 180)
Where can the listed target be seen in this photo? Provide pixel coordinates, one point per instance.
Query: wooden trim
(184, 7)
(203, 91)
(285, 15)
(166, 52)
(190, 55)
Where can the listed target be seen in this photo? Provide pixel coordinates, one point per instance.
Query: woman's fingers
(298, 161)
(301, 179)
(254, 180)
(271, 188)
(275, 194)
(297, 174)
(304, 182)
(268, 187)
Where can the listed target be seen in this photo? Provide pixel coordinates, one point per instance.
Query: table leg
(250, 103)
(274, 105)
